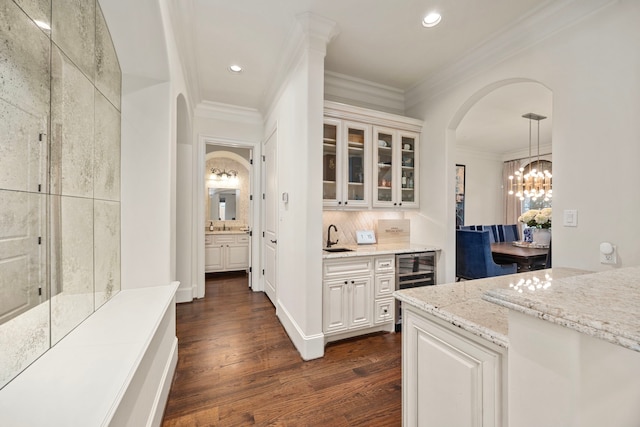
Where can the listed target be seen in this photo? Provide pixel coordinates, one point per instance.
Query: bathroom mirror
(223, 203)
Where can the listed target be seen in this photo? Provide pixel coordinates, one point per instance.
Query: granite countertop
(462, 303)
(379, 249)
(604, 305)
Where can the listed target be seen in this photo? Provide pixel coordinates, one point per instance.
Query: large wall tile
(71, 263)
(22, 340)
(73, 29)
(72, 128)
(22, 252)
(106, 250)
(108, 74)
(24, 306)
(107, 150)
(39, 10)
(24, 70)
(23, 154)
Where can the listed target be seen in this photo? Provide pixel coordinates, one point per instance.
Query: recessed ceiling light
(42, 25)
(431, 20)
(235, 68)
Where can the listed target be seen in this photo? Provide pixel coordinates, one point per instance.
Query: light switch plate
(570, 218)
(365, 237)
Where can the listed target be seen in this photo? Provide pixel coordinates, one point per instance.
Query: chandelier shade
(535, 183)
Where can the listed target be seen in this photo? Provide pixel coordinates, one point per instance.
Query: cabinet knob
(395, 204)
(340, 202)
(400, 203)
(353, 281)
(346, 203)
(345, 282)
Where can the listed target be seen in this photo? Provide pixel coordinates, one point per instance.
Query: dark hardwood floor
(237, 367)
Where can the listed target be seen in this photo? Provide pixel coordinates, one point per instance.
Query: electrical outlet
(608, 254)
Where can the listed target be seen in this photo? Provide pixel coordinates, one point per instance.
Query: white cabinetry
(346, 165)
(352, 305)
(450, 378)
(396, 168)
(369, 159)
(226, 252)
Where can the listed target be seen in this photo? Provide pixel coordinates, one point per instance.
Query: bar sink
(337, 250)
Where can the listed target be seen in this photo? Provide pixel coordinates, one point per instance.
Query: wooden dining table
(527, 258)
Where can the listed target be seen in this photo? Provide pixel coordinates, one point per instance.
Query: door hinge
(39, 188)
(250, 161)
(41, 137)
(264, 159)
(263, 196)
(263, 234)
(40, 240)
(250, 196)
(39, 291)
(250, 233)
(250, 269)
(263, 271)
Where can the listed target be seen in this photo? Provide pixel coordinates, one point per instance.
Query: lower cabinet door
(213, 258)
(237, 257)
(360, 302)
(334, 306)
(448, 379)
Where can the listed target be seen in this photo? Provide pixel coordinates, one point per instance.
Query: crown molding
(310, 32)
(523, 153)
(351, 90)
(228, 112)
(551, 17)
(350, 112)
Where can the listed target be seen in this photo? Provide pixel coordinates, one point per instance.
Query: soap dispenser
(211, 226)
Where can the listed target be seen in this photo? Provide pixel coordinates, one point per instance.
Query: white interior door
(270, 195)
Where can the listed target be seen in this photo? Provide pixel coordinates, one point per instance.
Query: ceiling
(380, 41)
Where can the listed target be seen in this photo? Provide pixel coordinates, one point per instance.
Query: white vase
(542, 236)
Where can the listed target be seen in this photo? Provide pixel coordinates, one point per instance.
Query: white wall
(152, 81)
(484, 203)
(591, 69)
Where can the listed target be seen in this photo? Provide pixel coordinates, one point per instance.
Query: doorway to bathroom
(228, 211)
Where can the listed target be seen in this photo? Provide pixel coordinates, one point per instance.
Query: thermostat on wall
(365, 237)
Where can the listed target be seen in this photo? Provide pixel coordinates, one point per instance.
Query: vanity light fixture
(431, 19)
(235, 69)
(224, 175)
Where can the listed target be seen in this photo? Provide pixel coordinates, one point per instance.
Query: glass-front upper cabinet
(395, 154)
(330, 168)
(346, 165)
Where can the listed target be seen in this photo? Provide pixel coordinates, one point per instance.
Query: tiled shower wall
(60, 85)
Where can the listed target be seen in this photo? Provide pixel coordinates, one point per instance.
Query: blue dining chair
(473, 256)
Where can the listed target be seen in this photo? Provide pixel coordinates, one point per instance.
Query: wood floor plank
(237, 367)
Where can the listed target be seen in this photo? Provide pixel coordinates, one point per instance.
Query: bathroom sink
(337, 250)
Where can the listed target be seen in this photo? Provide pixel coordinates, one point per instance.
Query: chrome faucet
(329, 242)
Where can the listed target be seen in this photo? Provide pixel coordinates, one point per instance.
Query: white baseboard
(309, 346)
(160, 402)
(186, 294)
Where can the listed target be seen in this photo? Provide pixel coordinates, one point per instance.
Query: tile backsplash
(348, 222)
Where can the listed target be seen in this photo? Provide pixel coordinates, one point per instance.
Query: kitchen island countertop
(461, 303)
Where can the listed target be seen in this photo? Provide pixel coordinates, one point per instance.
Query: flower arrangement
(537, 218)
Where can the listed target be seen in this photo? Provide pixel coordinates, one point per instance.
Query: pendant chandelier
(535, 184)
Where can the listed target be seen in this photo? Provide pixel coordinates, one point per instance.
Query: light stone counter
(225, 232)
(380, 249)
(604, 305)
(462, 304)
